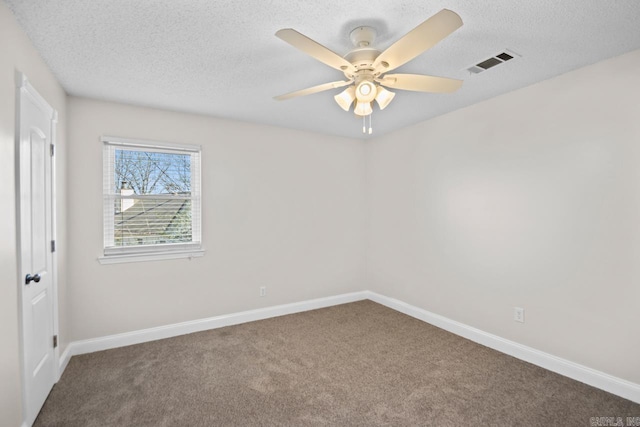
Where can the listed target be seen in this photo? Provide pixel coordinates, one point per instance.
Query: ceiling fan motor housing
(363, 56)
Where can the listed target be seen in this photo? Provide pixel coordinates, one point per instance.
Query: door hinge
(55, 341)
(52, 149)
(53, 246)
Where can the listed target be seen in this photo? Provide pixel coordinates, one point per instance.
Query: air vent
(498, 59)
(504, 56)
(488, 63)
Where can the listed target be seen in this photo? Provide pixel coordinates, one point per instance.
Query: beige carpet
(355, 364)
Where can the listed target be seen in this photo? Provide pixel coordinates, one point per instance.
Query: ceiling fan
(366, 68)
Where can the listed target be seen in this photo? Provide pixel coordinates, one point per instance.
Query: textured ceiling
(221, 57)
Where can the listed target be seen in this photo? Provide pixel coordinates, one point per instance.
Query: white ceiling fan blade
(315, 49)
(314, 89)
(418, 40)
(420, 83)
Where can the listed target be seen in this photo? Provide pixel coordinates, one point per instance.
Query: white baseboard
(168, 331)
(592, 377)
(64, 359)
(564, 367)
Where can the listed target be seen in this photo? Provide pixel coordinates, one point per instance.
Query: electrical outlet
(263, 291)
(518, 314)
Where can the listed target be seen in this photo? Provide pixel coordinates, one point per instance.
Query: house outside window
(151, 200)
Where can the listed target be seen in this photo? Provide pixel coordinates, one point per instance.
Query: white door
(34, 144)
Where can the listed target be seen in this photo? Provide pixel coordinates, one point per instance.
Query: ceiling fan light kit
(363, 108)
(366, 91)
(365, 66)
(346, 98)
(384, 97)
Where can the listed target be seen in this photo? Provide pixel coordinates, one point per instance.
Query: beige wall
(530, 199)
(281, 208)
(17, 53)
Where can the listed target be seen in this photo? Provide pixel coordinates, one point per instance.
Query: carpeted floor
(355, 364)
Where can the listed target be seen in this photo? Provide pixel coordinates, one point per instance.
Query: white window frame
(117, 254)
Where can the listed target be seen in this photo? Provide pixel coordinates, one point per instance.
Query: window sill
(118, 259)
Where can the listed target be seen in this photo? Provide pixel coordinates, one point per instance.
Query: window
(151, 200)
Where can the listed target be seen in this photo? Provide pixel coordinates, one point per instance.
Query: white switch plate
(518, 314)
(263, 291)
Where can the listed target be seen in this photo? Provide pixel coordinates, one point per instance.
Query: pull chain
(364, 124)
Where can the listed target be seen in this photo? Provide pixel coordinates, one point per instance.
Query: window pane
(149, 172)
(152, 221)
(151, 197)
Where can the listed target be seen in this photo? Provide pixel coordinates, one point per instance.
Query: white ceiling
(221, 58)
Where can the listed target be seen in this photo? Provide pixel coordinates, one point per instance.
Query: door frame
(24, 87)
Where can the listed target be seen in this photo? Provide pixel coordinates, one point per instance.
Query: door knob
(30, 278)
